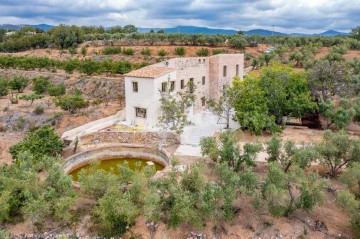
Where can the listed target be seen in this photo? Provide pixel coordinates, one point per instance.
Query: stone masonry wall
(150, 139)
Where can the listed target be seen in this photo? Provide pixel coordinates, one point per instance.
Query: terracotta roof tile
(150, 72)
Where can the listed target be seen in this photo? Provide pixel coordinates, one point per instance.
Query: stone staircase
(196, 134)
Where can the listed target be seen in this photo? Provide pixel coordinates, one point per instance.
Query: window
(203, 80)
(182, 85)
(135, 87)
(172, 85)
(191, 85)
(224, 71)
(237, 70)
(163, 87)
(140, 112)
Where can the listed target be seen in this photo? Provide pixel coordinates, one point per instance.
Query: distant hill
(190, 30)
(263, 32)
(260, 32)
(196, 30)
(11, 27)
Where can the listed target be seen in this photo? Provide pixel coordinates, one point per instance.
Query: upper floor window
(163, 87)
(237, 70)
(135, 86)
(203, 80)
(182, 84)
(224, 71)
(172, 85)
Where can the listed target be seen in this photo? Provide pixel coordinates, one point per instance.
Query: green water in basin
(113, 164)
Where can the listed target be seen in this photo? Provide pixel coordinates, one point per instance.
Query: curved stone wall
(121, 151)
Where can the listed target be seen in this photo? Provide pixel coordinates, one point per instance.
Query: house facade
(143, 87)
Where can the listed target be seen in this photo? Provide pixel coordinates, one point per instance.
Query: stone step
(196, 134)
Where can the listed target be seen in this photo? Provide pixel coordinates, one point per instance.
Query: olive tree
(288, 154)
(337, 150)
(228, 151)
(285, 192)
(173, 107)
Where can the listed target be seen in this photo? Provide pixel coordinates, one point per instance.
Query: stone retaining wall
(150, 139)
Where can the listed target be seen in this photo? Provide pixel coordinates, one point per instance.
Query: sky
(305, 16)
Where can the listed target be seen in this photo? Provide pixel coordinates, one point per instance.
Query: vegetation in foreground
(181, 197)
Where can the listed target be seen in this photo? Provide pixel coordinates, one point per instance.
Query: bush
(162, 53)
(40, 143)
(238, 42)
(180, 51)
(72, 50)
(57, 90)
(4, 89)
(128, 51)
(203, 52)
(71, 103)
(146, 52)
(111, 50)
(39, 109)
(218, 51)
(31, 97)
(83, 50)
(40, 85)
(19, 83)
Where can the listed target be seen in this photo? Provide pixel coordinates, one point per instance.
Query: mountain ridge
(196, 30)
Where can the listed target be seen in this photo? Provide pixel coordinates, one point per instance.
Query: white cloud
(287, 15)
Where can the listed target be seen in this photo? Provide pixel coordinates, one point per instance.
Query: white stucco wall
(147, 97)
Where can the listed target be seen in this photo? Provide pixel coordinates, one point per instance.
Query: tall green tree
(286, 92)
(328, 79)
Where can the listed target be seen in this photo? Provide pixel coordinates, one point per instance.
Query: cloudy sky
(308, 16)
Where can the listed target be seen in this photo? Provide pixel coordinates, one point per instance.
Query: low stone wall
(150, 139)
(120, 151)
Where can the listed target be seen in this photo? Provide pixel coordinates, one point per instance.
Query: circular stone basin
(111, 165)
(136, 157)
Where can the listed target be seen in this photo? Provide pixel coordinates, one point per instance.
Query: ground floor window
(140, 112)
(203, 101)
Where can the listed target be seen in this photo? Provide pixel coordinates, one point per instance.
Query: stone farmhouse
(143, 87)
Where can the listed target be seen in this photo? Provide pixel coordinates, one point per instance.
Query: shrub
(71, 103)
(128, 51)
(203, 52)
(57, 90)
(4, 89)
(40, 85)
(111, 50)
(39, 109)
(72, 50)
(180, 51)
(31, 97)
(40, 143)
(146, 52)
(218, 51)
(162, 53)
(19, 83)
(83, 50)
(238, 42)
